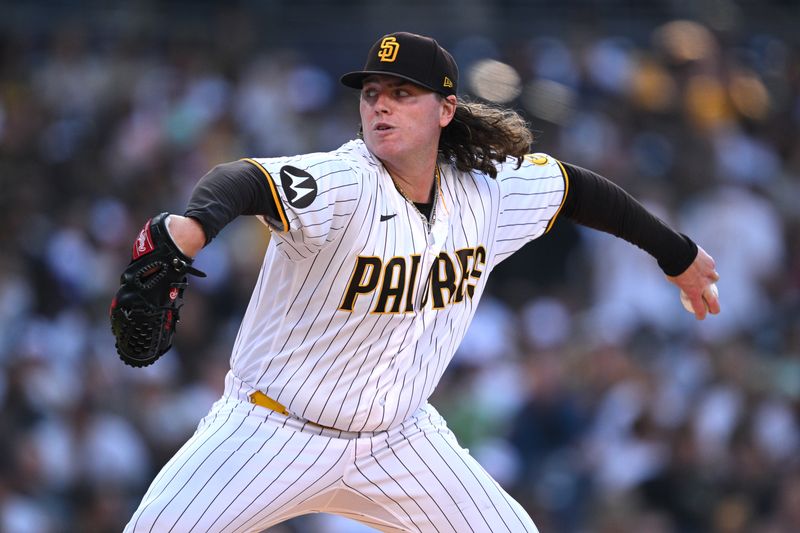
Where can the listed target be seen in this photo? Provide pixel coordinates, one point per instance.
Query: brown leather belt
(261, 399)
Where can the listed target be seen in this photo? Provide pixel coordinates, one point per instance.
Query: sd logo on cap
(413, 57)
(388, 50)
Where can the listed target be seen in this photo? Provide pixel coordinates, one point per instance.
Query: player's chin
(383, 147)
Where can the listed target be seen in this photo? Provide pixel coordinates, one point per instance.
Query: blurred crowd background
(583, 386)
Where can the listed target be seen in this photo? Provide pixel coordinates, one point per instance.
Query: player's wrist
(187, 234)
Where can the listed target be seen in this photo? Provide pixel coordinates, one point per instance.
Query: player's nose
(381, 103)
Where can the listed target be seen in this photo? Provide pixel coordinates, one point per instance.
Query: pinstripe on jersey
(413, 288)
(248, 468)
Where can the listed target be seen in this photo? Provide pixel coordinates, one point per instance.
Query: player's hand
(696, 282)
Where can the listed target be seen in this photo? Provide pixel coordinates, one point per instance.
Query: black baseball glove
(145, 310)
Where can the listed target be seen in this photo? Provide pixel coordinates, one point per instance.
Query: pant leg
(245, 469)
(420, 475)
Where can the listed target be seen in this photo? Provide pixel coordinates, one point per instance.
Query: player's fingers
(699, 307)
(711, 299)
(708, 301)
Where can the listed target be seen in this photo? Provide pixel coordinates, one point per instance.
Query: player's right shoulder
(350, 163)
(318, 164)
(311, 190)
(317, 171)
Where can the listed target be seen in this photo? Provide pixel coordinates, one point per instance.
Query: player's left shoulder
(538, 159)
(536, 165)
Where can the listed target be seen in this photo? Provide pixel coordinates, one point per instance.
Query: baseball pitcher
(379, 255)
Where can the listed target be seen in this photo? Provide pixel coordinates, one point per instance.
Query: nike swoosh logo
(384, 218)
(295, 186)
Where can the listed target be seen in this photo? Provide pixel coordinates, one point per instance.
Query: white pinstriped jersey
(361, 303)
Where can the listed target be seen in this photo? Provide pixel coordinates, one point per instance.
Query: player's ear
(448, 110)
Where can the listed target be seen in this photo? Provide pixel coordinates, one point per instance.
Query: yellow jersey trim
(271, 182)
(564, 199)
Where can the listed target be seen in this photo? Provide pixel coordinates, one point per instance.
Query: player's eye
(369, 92)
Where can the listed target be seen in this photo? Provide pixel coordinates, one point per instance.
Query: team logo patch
(536, 159)
(388, 50)
(299, 186)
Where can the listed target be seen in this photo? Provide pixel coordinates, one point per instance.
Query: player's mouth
(382, 127)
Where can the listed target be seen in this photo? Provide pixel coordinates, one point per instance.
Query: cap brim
(355, 80)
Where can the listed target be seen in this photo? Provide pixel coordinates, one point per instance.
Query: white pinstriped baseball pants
(248, 468)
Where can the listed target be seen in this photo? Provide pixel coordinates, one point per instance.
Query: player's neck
(415, 184)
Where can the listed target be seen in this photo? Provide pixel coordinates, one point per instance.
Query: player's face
(401, 119)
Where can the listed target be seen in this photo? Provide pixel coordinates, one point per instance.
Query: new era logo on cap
(413, 57)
